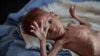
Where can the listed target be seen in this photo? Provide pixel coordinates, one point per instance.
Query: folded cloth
(11, 41)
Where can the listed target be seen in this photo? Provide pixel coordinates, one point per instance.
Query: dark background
(9, 6)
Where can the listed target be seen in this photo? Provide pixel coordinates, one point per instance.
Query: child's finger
(37, 26)
(32, 31)
(33, 27)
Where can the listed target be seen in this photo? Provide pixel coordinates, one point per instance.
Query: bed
(11, 41)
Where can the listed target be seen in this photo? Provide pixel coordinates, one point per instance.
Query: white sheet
(89, 11)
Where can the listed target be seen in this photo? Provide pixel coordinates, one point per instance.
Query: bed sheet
(11, 41)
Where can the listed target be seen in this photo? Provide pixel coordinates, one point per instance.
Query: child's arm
(72, 13)
(41, 34)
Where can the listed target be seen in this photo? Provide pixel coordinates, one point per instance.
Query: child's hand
(39, 31)
(73, 10)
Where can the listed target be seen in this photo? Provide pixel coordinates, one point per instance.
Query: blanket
(11, 40)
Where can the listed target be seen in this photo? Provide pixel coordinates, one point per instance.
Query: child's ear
(54, 14)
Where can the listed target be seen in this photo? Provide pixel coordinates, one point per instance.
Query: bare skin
(81, 39)
(41, 34)
(56, 28)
